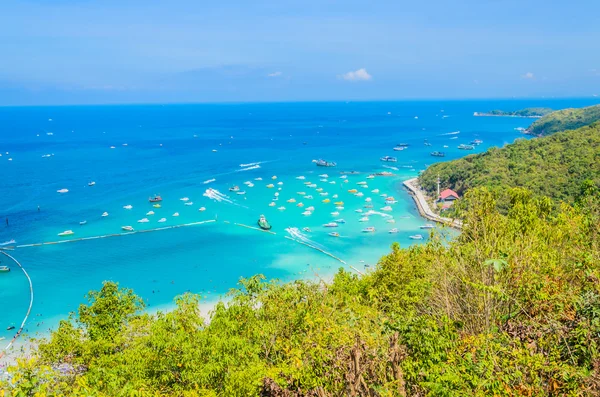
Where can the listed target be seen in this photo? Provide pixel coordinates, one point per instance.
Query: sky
(157, 51)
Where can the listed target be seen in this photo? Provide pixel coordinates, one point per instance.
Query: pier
(423, 206)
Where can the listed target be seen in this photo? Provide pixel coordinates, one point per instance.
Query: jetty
(426, 212)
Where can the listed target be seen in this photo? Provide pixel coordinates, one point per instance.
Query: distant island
(527, 113)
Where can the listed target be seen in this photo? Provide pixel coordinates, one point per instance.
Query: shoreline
(424, 210)
(477, 114)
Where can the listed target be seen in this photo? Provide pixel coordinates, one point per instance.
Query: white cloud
(358, 75)
(274, 74)
(528, 75)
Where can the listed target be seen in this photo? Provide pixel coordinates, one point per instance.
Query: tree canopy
(566, 119)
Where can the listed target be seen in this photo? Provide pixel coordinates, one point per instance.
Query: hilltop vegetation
(527, 112)
(510, 307)
(566, 119)
(556, 166)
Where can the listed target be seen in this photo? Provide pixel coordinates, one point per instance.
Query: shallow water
(170, 152)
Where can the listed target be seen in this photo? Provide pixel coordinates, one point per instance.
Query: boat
(404, 145)
(311, 208)
(340, 221)
(263, 223)
(272, 204)
(161, 220)
(270, 186)
(323, 176)
(390, 198)
(234, 189)
(326, 201)
(427, 226)
(66, 233)
(241, 192)
(389, 159)
(334, 234)
(323, 163)
(127, 228)
(63, 191)
(368, 199)
(306, 229)
(188, 203)
(301, 177)
(82, 223)
(307, 213)
(391, 221)
(399, 148)
(324, 194)
(309, 197)
(156, 205)
(323, 180)
(292, 200)
(438, 154)
(339, 203)
(384, 173)
(359, 194)
(144, 220)
(4, 269)
(282, 208)
(176, 214)
(209, 181)
(358, 210)
(375, 191)
(364, 219)
(128, 206)
(371, 177)
(149, 213)
(416, 237)
(462, 146)
(369, 229)
(330, 224)
(394, 230)
(202, 209)
(10, 327)
(184, 199)
(155, 199)
(258, 179)
(335, 213)
(352, 191)
(301, 193)
(92, 183)
(274, 177)
(104, 214)
(476, 142)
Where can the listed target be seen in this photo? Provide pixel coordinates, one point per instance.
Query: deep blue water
(170, 152)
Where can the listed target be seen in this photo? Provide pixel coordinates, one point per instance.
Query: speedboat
(476, 142)
(155, 199)
(127, 228)
(307, 213)
(335, 213)
(263, 223)
(330, 224)
(335, 196)
(234, 189)
(416, 237)
(4, 269)
(358, 210)
(364, 219)
(394, 230)
(128, 206)
(369, 229)
(309, 197)
(301, 177)
(438, 154)
(241, 192)
(398, 148)
(323, 180)
(301, 193)
(361, 183)
(202, 209)
(312, 185)
(258, 179)
(176, 214)
(340, 221)
(280, 183)
(82, 223)
(375, 191)
(188, 203)
(332, 182)
(334, 234)
(66, 233)
(368, 199)
(161, 220)
(149, 213)
(428, 226)
(466, 147)
(92, 183)
(274, 177)
(206, 182)
(319, 189)
(63, 191)
(343, 176)
(323, 163)
(368, 206)
(144, 220)
(324, 194)
(323, 176)
(389, 159)
(390, 198)
(104, 214)
(339, 203)
(282, 208)
(184, 199)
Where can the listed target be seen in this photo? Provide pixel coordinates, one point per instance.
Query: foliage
(556, 166)
(509, 307)
(527, 112)
(566, 119)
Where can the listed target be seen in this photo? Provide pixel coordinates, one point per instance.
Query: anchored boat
(323, 163)
(263, 223)
(155, 199)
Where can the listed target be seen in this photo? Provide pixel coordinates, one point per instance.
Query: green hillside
(511, 307)
(555, 166)
(527, 112)
(566, 119)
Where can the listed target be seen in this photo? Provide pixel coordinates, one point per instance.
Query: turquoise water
(170, 152)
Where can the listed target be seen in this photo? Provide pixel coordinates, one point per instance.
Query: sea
(180, 151)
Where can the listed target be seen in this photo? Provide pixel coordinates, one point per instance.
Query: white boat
(161, 220)
(319, 189)
(364, 219)
(241, 193)
(280, 183)
(323, 176)
(386, 208)
(276, 194)
(66, 233)
(334, 234)
(343, 176)
(92, 183)
(371, 177)
(306, 229)
(416, 237)
(4, 269)
(258, 179)
(184, 199)
(149, 213)
(247, 183)
(358, 210)
(309, 197)
(282, 208)
(330, 224)
(62, 191)
(307, 213)
(335, 213)
(340, 221)
(128, 206)
(335, 196)
(332, 182)
(292, 200)
(375, 191)
(274, 177)
(272, 204)
(144, 220)
(176, 214)
(391, 221)
(323, 180)
(324, 194)
(301, 177)
(368, 199)
(369, 229)
(301, 193)
(127, 228)
(368, 206)
(339, 208)
(201, 209)
(312, 185)
(82, 223)
(188, 203)
(394, 230)
(359, 194)
(112, 147)
(311, 208)
(251, 185)
(361, 183)
(270, 186)
(428, 226)
(104, 214)
(209, 181)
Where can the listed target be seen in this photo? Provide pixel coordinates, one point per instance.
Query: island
(526, 113)
(566, 119)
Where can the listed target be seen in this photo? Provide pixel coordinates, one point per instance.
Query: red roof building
(448, 195)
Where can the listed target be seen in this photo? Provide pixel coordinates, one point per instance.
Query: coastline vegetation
(527, 112)
(566, 119)
(509, 307)
(556, 166)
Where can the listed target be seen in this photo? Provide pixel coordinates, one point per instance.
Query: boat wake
(217, 196)
(451, 133)
(371, 212)
(251, 167)
(390, 167)
(9, 242)
(297, 234)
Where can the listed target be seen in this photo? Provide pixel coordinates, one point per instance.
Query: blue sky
(130, 51)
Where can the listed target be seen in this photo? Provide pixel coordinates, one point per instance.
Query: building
(447, 197)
